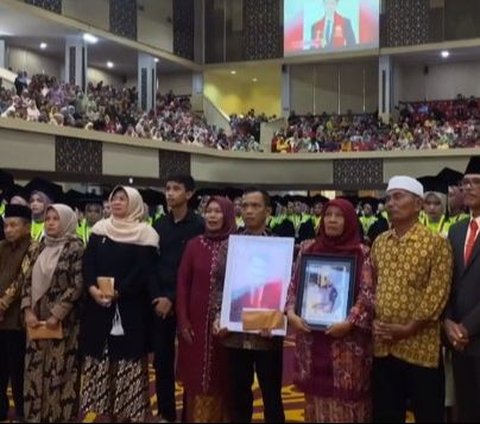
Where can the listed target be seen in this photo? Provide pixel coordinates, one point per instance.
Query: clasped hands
(392, 332)
(32, 321)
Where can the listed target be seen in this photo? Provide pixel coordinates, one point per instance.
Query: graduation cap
(318, 198)
(232, 193)
(450, 176)
(53, 191)
(153, 197)
(17, 191)
(372, 201)
(473, 166)
(18, 211)
(72, 198)
(6, 180)
(433, 183)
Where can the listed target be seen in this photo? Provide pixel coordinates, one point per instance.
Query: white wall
(179, 83)
(334, 87)
(96, 75)
(33, 63)
(443, 81)
(152, 25)
(93, 12)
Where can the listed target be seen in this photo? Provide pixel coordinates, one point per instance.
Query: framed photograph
(326, 289)
(258, 273)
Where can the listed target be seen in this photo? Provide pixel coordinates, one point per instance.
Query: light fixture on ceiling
(43, 45)
(254, 79)
(445, 54)
(110, 65)
(89, 38)
(156, 60)
(233, 72)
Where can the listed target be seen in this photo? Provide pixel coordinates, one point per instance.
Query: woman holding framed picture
(330, 305)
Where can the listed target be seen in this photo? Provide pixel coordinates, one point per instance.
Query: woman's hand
(53, 323)
(297, 323)
(188, 335)
(340, 330)
(31, 319)
(99, 297)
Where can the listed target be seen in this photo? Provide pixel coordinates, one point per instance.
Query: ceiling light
(233, 72)
(445, 54)
(89, 38)
(254, 79)
(110, 65)
(43, 46)
(156, 60)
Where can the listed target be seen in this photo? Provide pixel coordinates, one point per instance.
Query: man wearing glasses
(462, 323)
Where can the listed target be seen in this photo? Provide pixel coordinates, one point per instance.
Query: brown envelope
(256, 320)
(44, 333)
(106, 285)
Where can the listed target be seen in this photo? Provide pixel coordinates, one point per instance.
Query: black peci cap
(18, 211)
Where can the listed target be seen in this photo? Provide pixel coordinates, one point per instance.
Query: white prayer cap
(406, 183)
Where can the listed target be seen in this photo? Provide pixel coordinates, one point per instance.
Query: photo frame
(258, 273)
(325, 292)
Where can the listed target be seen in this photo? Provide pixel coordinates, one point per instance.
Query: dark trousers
(164, 364)
(269, 366)
(397, 383)
(466, 372)
(12, 364)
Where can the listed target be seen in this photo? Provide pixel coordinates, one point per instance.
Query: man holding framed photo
(413, 267)
(250, 353)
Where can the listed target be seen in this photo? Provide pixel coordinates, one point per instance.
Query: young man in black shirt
(175, 229)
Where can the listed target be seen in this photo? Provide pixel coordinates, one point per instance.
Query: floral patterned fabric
(52, 367)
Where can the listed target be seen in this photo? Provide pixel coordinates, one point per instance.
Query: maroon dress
(334, 373)
(202, 366)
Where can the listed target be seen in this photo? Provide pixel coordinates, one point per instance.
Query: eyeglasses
(470, 182)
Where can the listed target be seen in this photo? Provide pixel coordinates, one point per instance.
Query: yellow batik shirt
(414, 275)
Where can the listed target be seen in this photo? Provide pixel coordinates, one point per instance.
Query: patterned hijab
(229, 224)
(47, 261)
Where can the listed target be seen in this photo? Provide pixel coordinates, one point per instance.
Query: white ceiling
(28, 31)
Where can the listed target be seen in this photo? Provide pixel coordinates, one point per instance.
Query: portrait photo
(326, 290)
(257, 277)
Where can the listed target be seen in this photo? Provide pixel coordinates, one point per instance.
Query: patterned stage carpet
(292, 399)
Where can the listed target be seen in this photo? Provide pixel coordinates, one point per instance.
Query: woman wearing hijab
(39, 203)
(114, 328)
(201, 358)
(333, 366)
(52, 286)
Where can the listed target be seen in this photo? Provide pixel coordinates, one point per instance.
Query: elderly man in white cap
(413, 268)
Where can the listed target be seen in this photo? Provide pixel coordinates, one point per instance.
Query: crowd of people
(116, 111)
(415, 126)
(85, 299)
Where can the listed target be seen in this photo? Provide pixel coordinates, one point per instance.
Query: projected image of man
(333, 30)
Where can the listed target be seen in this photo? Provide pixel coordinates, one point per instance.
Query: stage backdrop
(313, 26)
